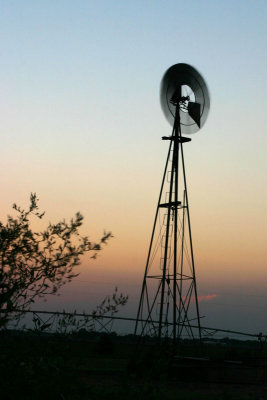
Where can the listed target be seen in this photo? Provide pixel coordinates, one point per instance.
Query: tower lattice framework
(168, 305)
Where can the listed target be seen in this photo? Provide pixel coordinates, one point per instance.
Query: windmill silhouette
(168, 305)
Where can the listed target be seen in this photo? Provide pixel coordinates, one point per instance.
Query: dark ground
(92, 366)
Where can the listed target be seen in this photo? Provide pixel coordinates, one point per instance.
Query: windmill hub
(181, 100)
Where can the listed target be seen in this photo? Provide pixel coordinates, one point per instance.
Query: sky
(81, 126)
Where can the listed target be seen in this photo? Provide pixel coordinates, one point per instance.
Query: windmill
(168, 305)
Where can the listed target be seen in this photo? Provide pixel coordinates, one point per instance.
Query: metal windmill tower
(168, 305)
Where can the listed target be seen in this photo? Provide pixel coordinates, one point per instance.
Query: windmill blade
(176, 95)
(194, 112)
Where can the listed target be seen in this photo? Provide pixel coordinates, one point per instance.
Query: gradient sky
(81, 126)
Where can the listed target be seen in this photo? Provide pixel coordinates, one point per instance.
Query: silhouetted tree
(35, 264)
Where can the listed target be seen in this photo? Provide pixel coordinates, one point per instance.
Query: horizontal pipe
(133, 319)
